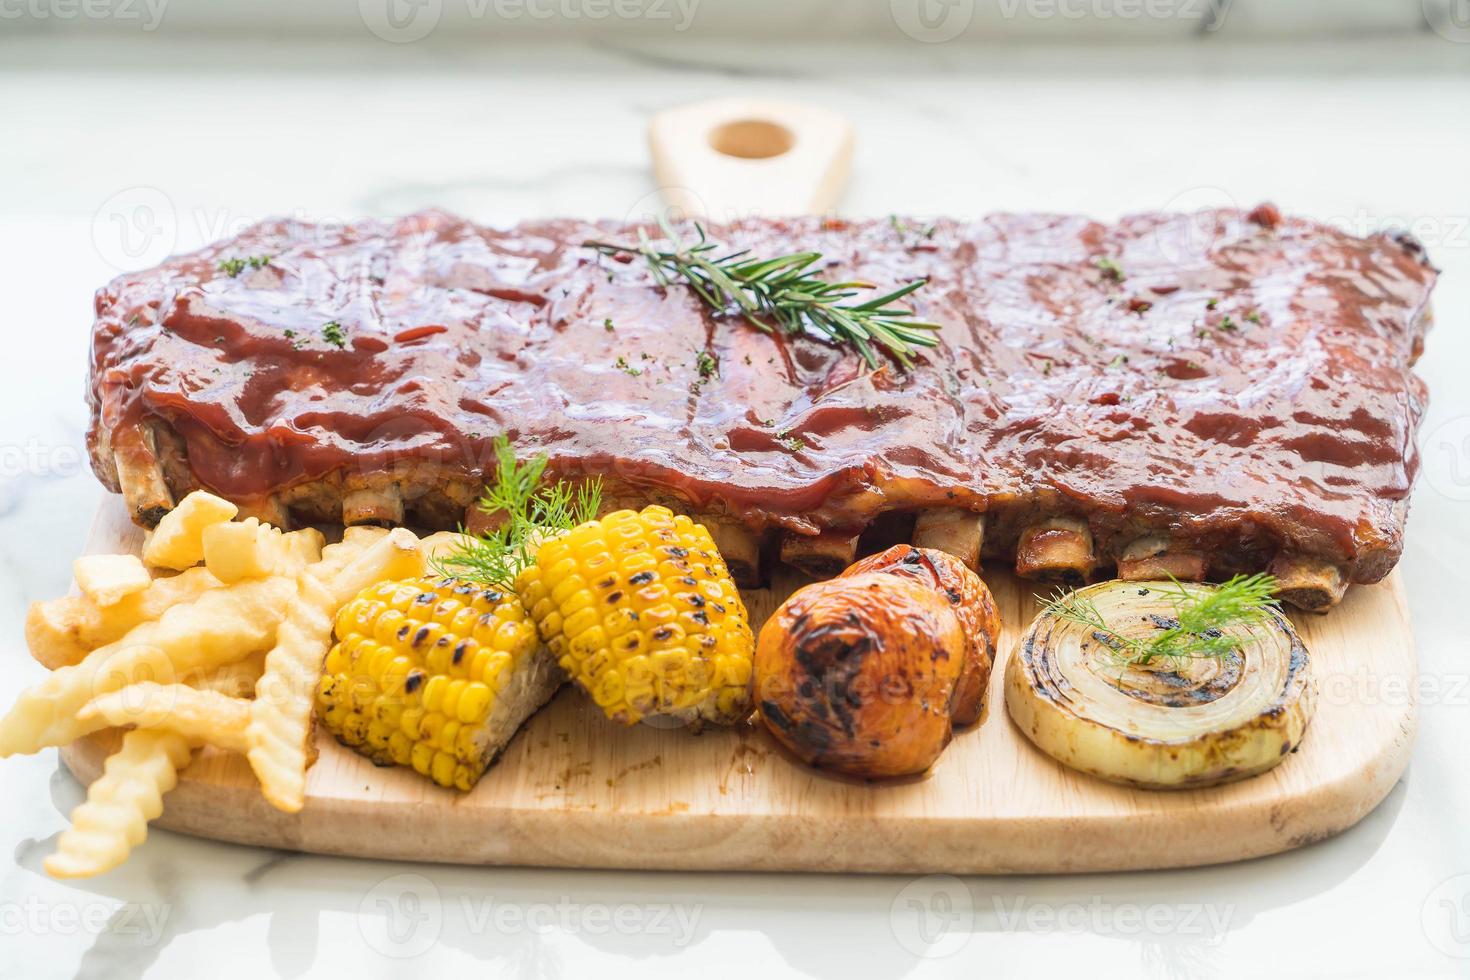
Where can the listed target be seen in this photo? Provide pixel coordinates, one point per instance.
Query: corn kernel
(416, 670)
(638, 607)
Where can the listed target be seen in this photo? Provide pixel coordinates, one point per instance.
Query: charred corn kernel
(640, 609)
(415, 672)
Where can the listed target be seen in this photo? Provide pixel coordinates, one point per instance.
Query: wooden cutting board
(574, 790)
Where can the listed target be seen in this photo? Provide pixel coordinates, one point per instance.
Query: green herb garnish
(782, 293)
(706, 364)
(532, 512)
(1110, 269)
(789, 442)
(1197, 629)
(233, 267)
(333, 334)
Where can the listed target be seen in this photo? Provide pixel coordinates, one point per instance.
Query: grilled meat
(1199, 394)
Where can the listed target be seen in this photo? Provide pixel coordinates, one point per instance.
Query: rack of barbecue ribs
(1186, 394)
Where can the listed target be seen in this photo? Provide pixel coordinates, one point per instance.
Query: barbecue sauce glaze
(1220, 375)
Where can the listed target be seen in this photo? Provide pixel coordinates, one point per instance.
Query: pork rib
(1208, 392)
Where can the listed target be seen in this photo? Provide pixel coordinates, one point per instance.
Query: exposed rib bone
(953, 530)
(381, 505)
(1308, 583)
(141, 478)
(1150, 557)
(822, 555)
(1056, 548)
(268, 510)
(740, 547)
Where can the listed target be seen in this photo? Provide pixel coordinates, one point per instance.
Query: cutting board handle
(741, 157)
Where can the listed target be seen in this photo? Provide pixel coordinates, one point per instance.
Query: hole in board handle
(752, 139)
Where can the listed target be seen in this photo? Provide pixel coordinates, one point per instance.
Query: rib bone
(268, 510)
(1308, 583)
(953, 530)
(1151, 557)
(741, 549)
(1056, 548)
(822, 555)
(381, 505)
(141, 478)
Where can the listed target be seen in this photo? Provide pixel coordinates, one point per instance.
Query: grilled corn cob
(640, 610)
(434, 673)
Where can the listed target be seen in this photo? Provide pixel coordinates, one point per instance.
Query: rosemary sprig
(532, 511)
(1197, 628)
(784, 293)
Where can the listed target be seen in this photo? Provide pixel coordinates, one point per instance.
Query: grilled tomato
(972, 603)
(859, 674)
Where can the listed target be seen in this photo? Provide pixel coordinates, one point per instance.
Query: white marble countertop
(211, 136)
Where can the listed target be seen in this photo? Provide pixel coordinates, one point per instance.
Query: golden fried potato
(129, 793)
(60, 632)
(249, 549)
(440, 544)
(177, 542)
(280, 729)
(972, 603)
(221, 626)
(858, 674)
(200, 715)
(108, 579)
(114, 818)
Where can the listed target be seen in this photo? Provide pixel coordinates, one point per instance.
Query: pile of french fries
(215, 636)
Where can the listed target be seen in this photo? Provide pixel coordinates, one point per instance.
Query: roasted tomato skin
(972, 602)
(857, 675)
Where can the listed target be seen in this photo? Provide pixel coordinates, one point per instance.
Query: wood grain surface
(574, 790)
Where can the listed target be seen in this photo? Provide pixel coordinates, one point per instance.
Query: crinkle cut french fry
(362, 535)
(60, 632)
(199, 715)
(108, 579)
(178, 540)
(114, 818)
(236, 680)
(221, 626)
(249, 549)
(281, 716)
(106, 827)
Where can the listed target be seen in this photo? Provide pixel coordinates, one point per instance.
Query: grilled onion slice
(1171, 724)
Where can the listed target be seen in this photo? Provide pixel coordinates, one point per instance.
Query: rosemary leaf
(782, 293)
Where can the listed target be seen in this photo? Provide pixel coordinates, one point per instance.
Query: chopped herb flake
(706, 365)
(1110, 269)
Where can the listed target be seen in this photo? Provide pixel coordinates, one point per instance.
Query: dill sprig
(784, 292)
(532, 512)
(1197, 628)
